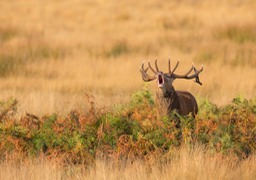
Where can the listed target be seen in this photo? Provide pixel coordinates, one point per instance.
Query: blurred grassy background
(52, 52)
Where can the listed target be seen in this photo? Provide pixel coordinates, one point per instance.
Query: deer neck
(166, 102)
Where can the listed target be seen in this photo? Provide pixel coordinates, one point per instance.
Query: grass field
(60, 56)
(195, 164)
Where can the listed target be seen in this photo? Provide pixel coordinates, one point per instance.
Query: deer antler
(144, 74)
(174, 69)
(171, 73)
(187, 76)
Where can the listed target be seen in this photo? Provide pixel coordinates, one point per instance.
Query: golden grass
(104, 43)
(195, 163)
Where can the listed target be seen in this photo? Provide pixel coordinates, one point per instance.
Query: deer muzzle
(160, 80)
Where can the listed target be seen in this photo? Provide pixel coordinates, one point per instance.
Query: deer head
(165, 80)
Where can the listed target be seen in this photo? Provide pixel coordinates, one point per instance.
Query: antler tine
(156, 65)
(149, 65)
(175, 67)
(197, 71)
(169, 65)
(195, 75)
(144, 74)
(184, 75)
(142, 67)
(191, 69)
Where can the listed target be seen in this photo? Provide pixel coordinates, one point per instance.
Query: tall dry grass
(53, 52)
(185, 163)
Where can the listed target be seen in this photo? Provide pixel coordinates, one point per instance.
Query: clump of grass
(238, 34)
(13, 63)
(118, 49)
(31, 49)
(6, 33)
(7, 65)
(186, 22)
(206, 56)
(8, 109)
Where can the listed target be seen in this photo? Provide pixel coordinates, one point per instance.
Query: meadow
(76, 63)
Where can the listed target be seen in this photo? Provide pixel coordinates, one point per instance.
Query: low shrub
(129, 132)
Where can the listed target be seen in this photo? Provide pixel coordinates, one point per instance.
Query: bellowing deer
(167, 98)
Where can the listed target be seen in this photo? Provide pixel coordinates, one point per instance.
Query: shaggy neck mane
(166, 103)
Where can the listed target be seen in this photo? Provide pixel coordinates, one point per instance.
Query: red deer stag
(167, 98)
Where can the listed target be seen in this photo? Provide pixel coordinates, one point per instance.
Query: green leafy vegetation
(128, 133)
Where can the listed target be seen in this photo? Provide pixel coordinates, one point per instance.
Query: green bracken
(130, 132)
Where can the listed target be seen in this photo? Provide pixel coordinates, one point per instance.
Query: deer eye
(168, 76)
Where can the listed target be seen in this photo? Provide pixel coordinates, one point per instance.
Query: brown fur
(167, 99)
(181, 101)
(187, 103)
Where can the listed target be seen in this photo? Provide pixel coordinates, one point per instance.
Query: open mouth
(160, 80)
